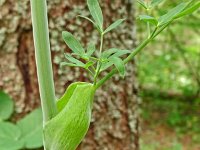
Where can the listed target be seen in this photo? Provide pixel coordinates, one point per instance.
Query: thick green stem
(43, 58)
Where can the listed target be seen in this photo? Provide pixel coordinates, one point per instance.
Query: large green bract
(66, 130)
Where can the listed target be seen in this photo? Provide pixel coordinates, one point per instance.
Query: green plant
(66, 124)
(26, 133)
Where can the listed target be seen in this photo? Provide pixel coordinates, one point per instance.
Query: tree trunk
(115, 115)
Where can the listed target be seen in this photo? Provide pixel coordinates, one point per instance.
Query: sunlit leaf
(72, 43)
(96, 12)
(114, 25)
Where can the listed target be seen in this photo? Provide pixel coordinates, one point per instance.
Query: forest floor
(166, 128)
(163, 138)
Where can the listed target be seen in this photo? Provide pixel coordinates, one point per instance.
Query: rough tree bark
(115, 117)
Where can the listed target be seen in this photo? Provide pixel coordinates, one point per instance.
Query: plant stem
(137, 50)
(101, 46)
(43, 58)
(99, 61)
(148, 29)
(131, 56)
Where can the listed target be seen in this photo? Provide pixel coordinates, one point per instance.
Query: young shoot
(66, 122)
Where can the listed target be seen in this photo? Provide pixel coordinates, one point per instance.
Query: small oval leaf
(72, 43)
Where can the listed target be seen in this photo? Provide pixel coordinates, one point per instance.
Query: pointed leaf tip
(72, 43)
(96, 12)
(114, 25)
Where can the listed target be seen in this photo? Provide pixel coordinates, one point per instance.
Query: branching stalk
(132, 55)
(43, 58)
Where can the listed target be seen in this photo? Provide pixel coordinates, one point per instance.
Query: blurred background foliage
(169, 77)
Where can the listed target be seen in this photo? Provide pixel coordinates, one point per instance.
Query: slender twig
(148, 29)
(132, 55)
(99, 61)
(43, 58)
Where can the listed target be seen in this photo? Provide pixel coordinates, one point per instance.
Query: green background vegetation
(169, 74)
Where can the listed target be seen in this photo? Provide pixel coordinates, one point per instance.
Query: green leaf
(90, 50)
(114, 52)
(96, 12)
(62, 102)
(109, 52)
(171, 14)
(142, 3)
(90, 20)
(74, 60)
(120, 53)
(10, 137)
(67, 129)
(31, 127)
(69, 64)
(6, 106)
(149, 19)
(114, 25)
(189, 10)
(119, 64)
(72, 43)
(106, 65)
(156, 2)
(88, 64)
